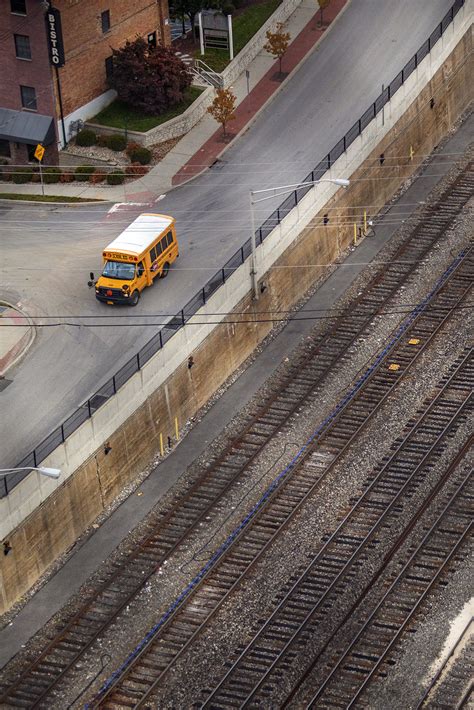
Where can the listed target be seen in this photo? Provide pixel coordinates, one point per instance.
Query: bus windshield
(119, 270)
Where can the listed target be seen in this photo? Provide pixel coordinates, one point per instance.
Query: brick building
(55, 58)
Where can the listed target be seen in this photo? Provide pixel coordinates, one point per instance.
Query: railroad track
(452, 685)
(133, 684)
(254, 676)
(166, 533)
(375, 643)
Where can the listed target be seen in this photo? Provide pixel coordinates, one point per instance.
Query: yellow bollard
(355, 234)
(412, 152)
(162, 448)
(176, 428)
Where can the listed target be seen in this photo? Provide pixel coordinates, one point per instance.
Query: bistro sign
(55, 37)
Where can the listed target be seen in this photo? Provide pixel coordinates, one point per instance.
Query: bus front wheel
(164, 270)
(134, 298)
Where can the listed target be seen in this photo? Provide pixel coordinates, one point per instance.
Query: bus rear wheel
(134, 298)
(164, 271)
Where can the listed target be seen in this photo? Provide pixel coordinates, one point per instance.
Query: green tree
(181, 8)
(322, 6)
(277, 43)
(150, 79)
(222, 108)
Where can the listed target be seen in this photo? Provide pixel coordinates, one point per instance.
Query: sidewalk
(16, 336)
(88, 557)
(199, 148)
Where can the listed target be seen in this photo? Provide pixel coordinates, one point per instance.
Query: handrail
(87, 409)
(212, 77)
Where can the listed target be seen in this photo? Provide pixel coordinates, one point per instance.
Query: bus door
(141, 279)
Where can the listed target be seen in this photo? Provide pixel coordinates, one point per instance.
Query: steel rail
(355, 549)
(195, 584)
(464, 535)
(438, 675)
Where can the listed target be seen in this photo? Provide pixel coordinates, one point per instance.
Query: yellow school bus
(143, 252)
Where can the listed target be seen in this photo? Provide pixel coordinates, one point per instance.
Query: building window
(28, 97)
(18, 7)
(152, 39)
(22, 46)
(109, 67)
(105, 18)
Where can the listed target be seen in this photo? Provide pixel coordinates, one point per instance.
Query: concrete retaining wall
(43, 517)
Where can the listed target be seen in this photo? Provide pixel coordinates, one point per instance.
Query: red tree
(148, 78)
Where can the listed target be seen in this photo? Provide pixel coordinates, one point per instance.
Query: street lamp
(277, 192)
(43, 470)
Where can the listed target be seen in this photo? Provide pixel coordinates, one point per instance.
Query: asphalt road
(47, 253)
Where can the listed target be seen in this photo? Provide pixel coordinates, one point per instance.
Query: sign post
(201, 34)
(39, 153)
(231, 38)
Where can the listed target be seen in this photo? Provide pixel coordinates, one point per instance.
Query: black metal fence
(86, 410)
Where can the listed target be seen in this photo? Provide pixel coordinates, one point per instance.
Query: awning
(26, 127)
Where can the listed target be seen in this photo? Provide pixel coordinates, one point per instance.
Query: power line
(400, 311)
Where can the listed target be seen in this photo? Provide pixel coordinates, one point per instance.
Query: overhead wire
(408, 308)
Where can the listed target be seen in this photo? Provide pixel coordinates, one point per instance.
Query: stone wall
(41, 518)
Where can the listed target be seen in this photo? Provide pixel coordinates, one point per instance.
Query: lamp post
(43, 470)
(277, 192)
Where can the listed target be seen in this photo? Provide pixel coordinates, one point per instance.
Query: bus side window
(153, 254)
(169, 237)
(158, 249)
(163, 244)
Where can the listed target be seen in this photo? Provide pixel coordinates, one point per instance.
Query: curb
(254, 117)
(8, 201)
(21, 347)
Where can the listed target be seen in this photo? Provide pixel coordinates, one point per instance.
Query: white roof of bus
(142, 232)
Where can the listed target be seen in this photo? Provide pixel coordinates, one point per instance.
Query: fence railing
(108, 390)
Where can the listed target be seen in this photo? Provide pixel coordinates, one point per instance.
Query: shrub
(86, 138)
(66, 177)
(83, 172)
(131, 147)
(116, 142)
(102, 141)
(149, 79)
(136, 170)
(51, 175)
(116, 177)
(21, 175)
(5, 173)
(35, 177)
(140, 155)
(228, 8)
(97, 177)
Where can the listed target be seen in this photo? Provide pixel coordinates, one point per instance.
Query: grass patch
(118, 114)
(245, 25)
(43, 198)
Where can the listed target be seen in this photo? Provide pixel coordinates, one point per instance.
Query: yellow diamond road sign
(39, 152)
